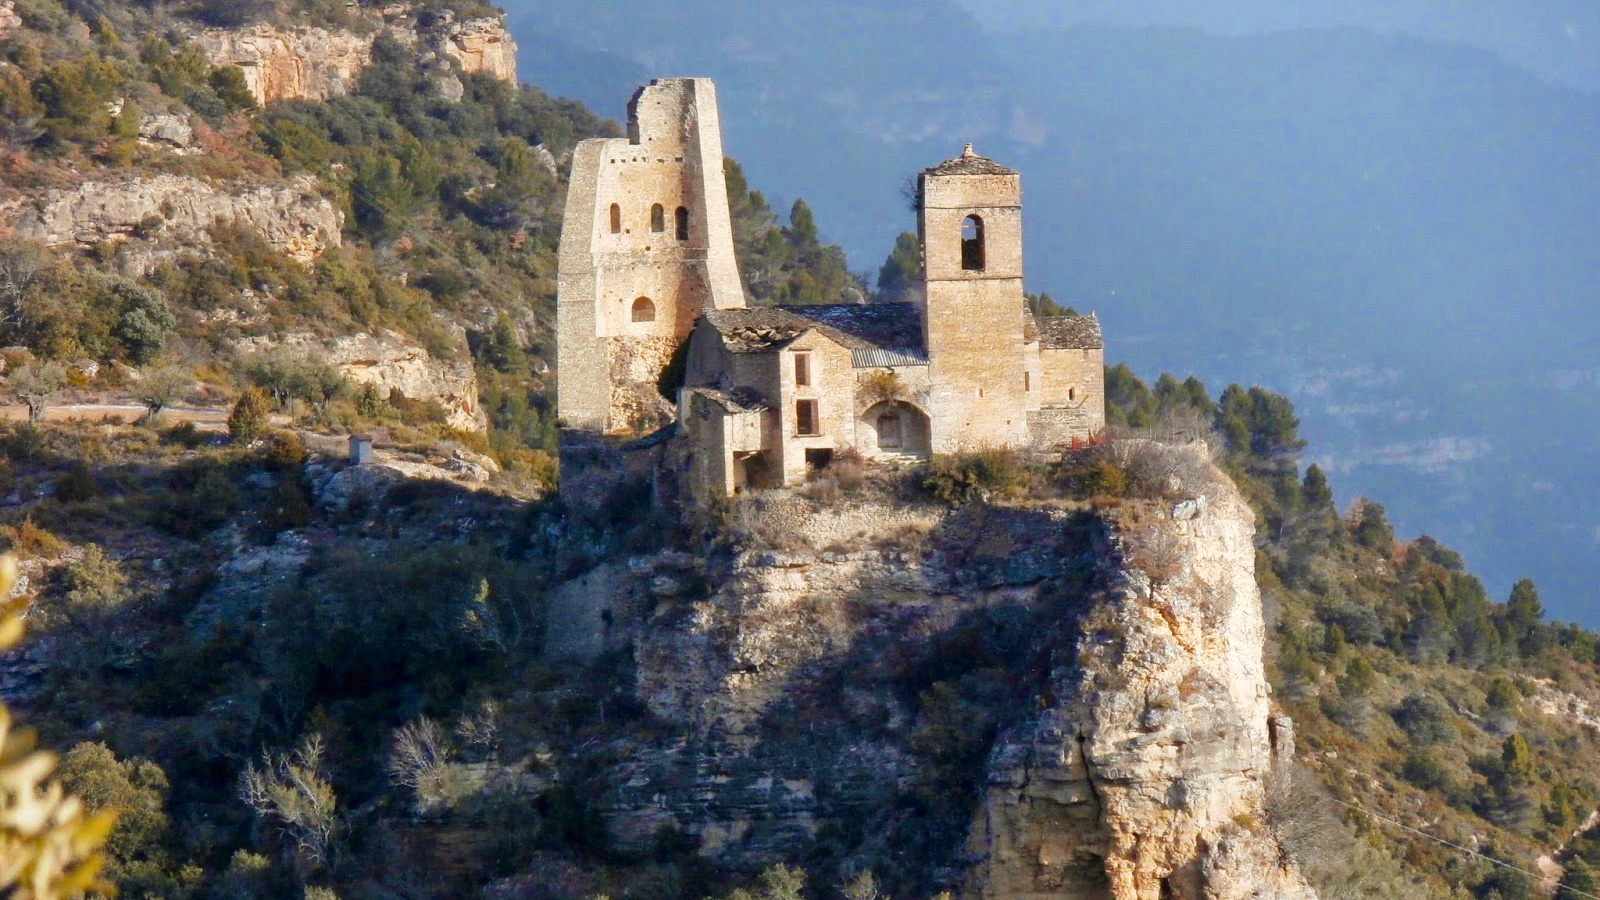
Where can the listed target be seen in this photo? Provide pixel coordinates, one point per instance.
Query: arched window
(683, 223)
(644, 310)
(658, 218)
(616, 219)
(972, 244)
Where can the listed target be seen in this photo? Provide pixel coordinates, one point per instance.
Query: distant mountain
(1397, 232)
(1557, 39)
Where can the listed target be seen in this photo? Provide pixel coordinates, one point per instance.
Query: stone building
(648, 284)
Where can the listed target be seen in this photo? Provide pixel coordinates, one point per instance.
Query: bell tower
(970, 224)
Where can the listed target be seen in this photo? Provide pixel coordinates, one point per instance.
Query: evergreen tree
(1523, 613)
(1577, 881)
(901, 272)
(1314, 490)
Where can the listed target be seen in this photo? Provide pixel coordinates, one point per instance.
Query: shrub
(249, 417)
(284, 451)
(965, 477)
(1425, 720)
(94, 584)
(76, 485)
(29, 539)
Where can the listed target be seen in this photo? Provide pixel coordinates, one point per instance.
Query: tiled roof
(884, 326)
(738, 400)
(1070, 333)
(969, 163)
(854, 326)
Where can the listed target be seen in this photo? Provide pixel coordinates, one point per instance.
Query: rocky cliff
(317, 63)
(163, 213)
(1044, 702)
(397, 367)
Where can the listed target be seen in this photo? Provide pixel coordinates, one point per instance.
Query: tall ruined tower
(970, 224)
(646, 246)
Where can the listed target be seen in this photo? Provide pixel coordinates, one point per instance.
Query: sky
(1556, 39)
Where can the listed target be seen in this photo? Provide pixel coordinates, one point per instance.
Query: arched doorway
(644, 310)
(894, 428)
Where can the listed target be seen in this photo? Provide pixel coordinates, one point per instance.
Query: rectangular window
(802, 369)
(805, 418)
(1027, 381)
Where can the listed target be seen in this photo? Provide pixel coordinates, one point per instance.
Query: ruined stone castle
(650, 292)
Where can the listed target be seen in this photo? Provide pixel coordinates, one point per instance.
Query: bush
(76, 485)
(249, 417)
(966, 477)
(1426, 720)
(94, 584)
(284, 451)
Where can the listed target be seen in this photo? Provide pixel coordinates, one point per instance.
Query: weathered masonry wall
(1072, 393)
(974, 317)
(647, 244)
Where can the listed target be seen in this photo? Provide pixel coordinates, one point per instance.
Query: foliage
(962, 478)
(159, 387)
(291, 791)
(94, 585)
(785, 264)
(50, 845)
(901, 273)
(248, 420)
(36, 384)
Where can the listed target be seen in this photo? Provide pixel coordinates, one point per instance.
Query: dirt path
(122, 412)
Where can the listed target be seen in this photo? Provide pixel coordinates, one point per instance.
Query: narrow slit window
(683, 223)
(802, 369)
(658, 218)
(1027, 381)
(972, 244)
(644, 310)
(616, 219)
(1072, 394)
(805, 418)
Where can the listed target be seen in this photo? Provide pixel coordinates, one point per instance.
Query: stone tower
(646, 246)
(970, 223)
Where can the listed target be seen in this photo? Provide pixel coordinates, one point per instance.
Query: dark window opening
(658, 218)
(890, 434)
(1027, 381)
(802, 369)
(972, 244)
(806, 421)
(644, 310)
(616, 219)
(683, 223)
(1072, 394)
(818, 460)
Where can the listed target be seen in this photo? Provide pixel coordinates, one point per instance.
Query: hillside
(1136, 669)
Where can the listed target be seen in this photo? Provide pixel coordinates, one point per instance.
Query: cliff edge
(1042, 700)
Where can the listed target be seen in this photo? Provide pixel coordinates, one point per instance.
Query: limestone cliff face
(1130, 740)
(170, 212)
(1143, 777)
(318, 63)
(9, 20)
(396, 367)
(298, 64)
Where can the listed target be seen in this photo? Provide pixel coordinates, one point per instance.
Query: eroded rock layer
(165, 212)
(318, 63)
(1012, 703)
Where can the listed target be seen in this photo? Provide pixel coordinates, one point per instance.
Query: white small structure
(360, 449)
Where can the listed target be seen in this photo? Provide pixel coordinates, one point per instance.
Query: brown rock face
(9, 20)
(318, 64)
(164, 213)
(396, 367)
(1144, 778)
(1114, 729)
(299, 64)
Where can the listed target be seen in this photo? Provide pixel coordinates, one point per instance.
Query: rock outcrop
(9, 20)
(397, 367)
(172, 212)
(1144, 777)
(310, 63)
(1115, 660)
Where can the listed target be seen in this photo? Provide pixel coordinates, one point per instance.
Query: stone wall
(165, 213)
(1073, 399)
(672, 159)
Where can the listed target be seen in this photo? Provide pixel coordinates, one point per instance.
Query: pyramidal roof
(969, 163)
